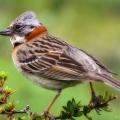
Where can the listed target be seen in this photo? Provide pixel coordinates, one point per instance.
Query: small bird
(49, 61)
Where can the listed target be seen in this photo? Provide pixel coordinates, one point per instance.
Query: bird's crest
(26, 18)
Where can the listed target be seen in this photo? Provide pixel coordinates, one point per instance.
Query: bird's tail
(109, 80)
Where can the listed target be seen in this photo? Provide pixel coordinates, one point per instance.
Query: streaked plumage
(49, 61)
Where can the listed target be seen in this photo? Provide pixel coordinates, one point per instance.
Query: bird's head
(24, 28)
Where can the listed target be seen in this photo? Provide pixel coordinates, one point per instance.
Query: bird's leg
(95, 100)
(53, 101)
(46, 112)
(93, 95)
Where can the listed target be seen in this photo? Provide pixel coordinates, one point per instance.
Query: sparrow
(49, 61)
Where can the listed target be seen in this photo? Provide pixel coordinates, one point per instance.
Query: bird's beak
(6, 32)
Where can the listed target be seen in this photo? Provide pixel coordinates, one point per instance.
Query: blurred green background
(92, 25)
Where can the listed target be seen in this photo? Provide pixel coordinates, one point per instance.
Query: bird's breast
(15, 57)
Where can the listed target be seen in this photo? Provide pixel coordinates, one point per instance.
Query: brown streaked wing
(55, 65)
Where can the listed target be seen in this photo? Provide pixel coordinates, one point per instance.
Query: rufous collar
(36, 31)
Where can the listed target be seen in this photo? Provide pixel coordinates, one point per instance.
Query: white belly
(47, 83)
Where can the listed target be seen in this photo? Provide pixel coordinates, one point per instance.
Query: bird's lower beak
(6, 32)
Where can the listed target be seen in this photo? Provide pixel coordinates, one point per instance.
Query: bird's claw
(96, 103)
(95, 100)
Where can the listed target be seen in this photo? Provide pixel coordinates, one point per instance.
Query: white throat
(15, 39)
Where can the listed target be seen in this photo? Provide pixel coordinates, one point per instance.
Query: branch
(72, 110)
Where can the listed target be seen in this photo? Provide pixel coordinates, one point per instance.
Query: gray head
(22, 25)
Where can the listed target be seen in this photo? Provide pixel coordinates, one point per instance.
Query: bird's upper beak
(6, 32)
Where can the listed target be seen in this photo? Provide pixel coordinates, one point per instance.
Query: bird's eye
(17, 27)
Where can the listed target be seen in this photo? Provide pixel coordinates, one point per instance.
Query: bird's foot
(95, 100)
(99, 102)
(96, 103)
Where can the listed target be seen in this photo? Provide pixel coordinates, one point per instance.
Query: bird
(51, 62)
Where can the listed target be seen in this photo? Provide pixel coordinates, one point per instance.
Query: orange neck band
(37, 31)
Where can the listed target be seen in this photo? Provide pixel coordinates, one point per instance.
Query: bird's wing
(56, 59)
(89, 62)
(54, 65)
(102, 66)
